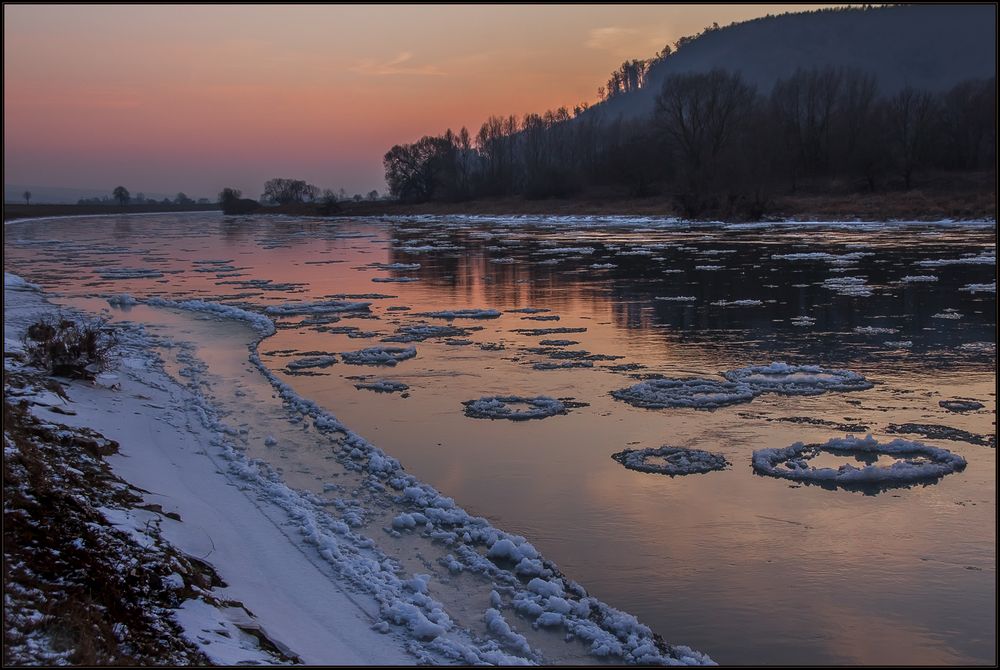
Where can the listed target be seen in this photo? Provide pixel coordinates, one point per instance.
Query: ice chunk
(917, 462)
(676, 461)
(379, 355)
(499, 407)
(319, 307)
(960, 405)
(462, 314)
(787, 379)
(312, 362)
(694, 392)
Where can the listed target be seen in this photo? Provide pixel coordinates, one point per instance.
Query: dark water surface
(749, 569)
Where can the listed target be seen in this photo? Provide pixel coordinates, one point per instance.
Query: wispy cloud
(611, 38)
(398, 65)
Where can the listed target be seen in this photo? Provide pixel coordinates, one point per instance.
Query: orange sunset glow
(193, 98)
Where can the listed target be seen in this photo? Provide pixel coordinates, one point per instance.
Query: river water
(747, 568)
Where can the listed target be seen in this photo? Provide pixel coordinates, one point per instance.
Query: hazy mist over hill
(930, 47)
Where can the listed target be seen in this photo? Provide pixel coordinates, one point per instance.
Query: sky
(163, 98)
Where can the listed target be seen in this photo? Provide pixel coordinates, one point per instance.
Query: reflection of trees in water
(790, 289)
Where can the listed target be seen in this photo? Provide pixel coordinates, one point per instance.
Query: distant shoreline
(965, 200)
(18, 211)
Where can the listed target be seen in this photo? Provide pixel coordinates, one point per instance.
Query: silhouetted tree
(121, 194)
(701, 115)
(286, 191)
(911, 130)
(233, 203)
(27, 197)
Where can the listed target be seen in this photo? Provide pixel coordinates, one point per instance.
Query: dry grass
(76, 590)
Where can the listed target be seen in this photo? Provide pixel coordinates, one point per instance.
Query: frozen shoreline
(320, 588)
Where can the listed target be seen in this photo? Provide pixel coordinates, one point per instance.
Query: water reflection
(750, 569)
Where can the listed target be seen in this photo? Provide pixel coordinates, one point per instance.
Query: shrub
(67, 348)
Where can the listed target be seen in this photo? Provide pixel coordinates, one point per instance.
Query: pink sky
(193, 98)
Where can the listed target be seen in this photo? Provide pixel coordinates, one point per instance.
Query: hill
(929, 47)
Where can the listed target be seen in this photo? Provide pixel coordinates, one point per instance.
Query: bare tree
(121, 194)
(911, 119)
(27, 197)
(700, 116)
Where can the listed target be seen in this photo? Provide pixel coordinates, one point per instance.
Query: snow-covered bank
(388, 571)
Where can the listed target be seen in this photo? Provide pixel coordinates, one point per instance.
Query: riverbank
(913, 205)
(351, 574)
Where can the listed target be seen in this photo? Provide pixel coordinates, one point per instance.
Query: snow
(12, 281)
(948, 313)
(677, 461)
(695, 392)
(802, 321)
(676, 298)
(499, 407)
(122, 300)
(917, 462)
(912, 279)
(318, 586)
(779, 377)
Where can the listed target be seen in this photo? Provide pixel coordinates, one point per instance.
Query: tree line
(714, 143)
(123, 197)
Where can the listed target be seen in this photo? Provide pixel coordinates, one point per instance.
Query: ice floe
(936, 432)
(382, 386)
(461, 314)
(779, 377)
(960, 405)
(504, 407)
(851, 286)
(874, 330)
(980, 288)
(311, 362)
(913, 279)
(917, 463)
(984, 258)
(318, 307)
(379, 355)
(737, 303)
(695, 392)
(673, 460)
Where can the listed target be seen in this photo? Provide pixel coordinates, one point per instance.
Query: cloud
(397, 65)
(611, 38)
